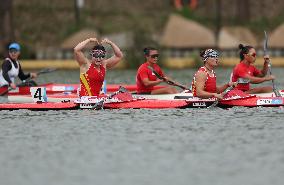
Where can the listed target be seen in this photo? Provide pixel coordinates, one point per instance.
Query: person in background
(92, 71)
(204, 81)
(146, 80)
(11, 68)
(245, 73)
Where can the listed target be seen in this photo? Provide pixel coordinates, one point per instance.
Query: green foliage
(263, 23)
(186, 12)
(27, 53)
(141, 39)
(48, 23)
(189, 14)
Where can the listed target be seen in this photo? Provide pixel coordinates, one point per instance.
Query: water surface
(160, 147)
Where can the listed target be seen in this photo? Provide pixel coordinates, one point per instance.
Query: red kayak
(51, 88)
(155, 104)
(124, 100)
(253, 101)
(152, 104)
(39, 106)
(133, 104)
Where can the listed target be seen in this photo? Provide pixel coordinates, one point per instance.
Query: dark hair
(202, 53)
(147, 50)
(244, 50)
(99, 47)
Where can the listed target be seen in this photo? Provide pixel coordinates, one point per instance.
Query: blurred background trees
(6, 24)
(45, 24)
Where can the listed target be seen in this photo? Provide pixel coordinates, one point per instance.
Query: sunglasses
(13, 51)
(154, 56)
(252, 54)
(98, 55)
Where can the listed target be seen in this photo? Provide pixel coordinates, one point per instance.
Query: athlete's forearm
(265, 68)
(116, 50)
(6, 77)
(222, 88)
(149, 83)
(81, 45)
(6, 67)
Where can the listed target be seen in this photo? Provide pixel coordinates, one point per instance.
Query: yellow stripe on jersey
(85, 83)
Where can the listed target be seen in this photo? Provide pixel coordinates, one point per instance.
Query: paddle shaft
(265, 46)
(100, 104)
(170, 82)
(270, 72)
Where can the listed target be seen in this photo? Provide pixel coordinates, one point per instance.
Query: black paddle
(100, 104)
(168, 81)
(269, 65)
(43, 71)
(46, 70)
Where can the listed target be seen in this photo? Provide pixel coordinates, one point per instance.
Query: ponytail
(244, 50)
(147, 50)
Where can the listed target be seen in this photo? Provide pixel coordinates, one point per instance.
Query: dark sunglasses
(253, 54)
(154, 56)
(98, 55)
(13, 50)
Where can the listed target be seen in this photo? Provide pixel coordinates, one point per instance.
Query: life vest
(210, 83)
(13, 73)
(91, 82)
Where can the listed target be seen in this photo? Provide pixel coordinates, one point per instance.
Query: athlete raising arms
(92, 71)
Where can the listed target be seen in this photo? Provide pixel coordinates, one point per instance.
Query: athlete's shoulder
(143, 66)
(85, 67)
(7, 62)
(201, 70)
(240, 66)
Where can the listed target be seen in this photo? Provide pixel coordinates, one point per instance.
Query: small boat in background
(53, 88)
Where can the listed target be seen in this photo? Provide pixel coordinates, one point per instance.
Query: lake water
(143, 147)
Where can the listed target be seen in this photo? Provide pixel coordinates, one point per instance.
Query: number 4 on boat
(38, 94)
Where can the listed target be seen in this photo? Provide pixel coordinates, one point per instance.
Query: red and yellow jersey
(210, 83)
(91, 82)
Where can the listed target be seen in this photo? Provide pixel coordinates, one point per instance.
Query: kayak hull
(253, 102)
(153, 104)
(133, 104)
(39, 106)
(157, 104)
(125, 100)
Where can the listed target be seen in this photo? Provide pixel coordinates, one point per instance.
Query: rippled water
(142, 147)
